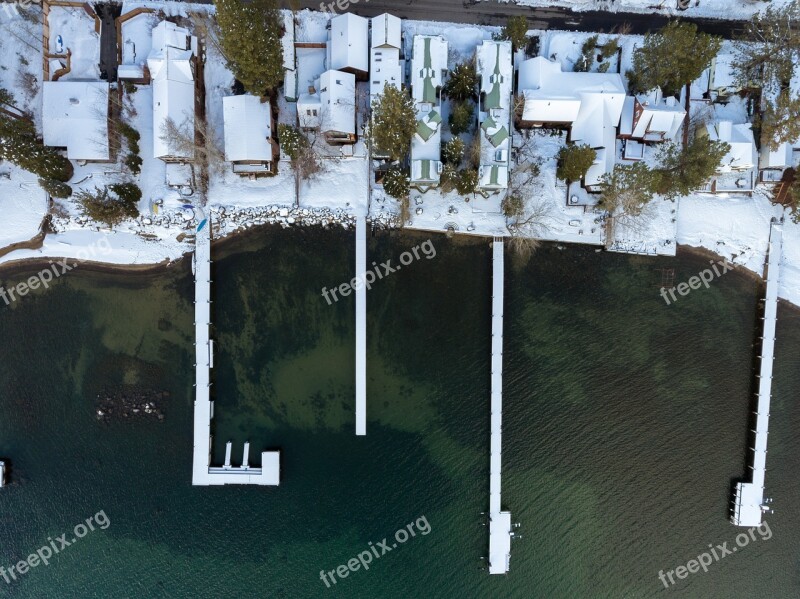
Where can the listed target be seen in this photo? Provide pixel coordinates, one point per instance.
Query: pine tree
(672, 57)
(769, 49)
(467, 181)
(19, 145)
(462, 82)
(628, 187)
(574, 161)
(396, 182)
(684, 170)
(453, 151)
(461, 117)
(393, 122)
(250, 37)
(515, 31)
(781, 120)
(55, 189)
(102, 207)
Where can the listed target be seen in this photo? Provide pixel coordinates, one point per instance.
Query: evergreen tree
(250, 38)
(628, 187)
(574, 161)
(102, 207)
(467, 181)
(513, 205)
(19, 145)
(462, 82)
(396, 182)
(461, 117)
(515, 31)
(671, 58)
(453, 151)
(55, 189)
(769, 49)
(393, 122)
(684, 170)
(781, 120)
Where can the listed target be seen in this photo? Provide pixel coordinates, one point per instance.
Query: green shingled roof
(424, 131)
(499, 137)
(493, 97)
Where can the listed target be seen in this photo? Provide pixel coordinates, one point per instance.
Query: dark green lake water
(625, 424)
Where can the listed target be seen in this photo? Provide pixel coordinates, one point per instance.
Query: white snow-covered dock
(749, 498)
(203, 473)
(499, 521)
(361, 328)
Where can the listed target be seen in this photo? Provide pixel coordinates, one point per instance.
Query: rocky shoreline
(130, 403)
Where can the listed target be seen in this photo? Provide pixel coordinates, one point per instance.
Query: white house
(496, 74)
(651, 117)
(385, 64)
(348, 47)
(171, 64)
(249, 141)
(331, 108)
(428, 68)
(75, 117)
(588, 104)
(738, 168)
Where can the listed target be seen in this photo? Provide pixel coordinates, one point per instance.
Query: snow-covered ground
(715, 9)
(736, 227)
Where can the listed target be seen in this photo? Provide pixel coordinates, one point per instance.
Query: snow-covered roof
(333, 107)
(248, 129)
(349, 43)
(75, 116)
(173, 83)
(782, 157)
(427, 66)
(385, 65)
(722, 69)
(742, 154)
(386, 31)
(591, 103)
(496, 75)
(659, 118)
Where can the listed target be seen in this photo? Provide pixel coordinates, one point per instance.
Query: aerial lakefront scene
(365, 299)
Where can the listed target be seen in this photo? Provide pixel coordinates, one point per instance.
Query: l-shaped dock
(203, 473)
(749, 502)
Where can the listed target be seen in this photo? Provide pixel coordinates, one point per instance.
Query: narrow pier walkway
(203, 473)
(361, 328)
(749, 499)
(499, 521)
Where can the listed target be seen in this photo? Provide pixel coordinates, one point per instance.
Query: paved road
(108, 40)
(494, 13)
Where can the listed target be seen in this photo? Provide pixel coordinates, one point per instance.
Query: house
(721, 80)
(249, 135)
(428, 68)
(651, 117)
(738, 168)
(348, 47)
(772, 163)
(386, 65)
(496, 74)
(75, 117)
(289, 58)
(171, 65)
(589, 105)
(331, 107)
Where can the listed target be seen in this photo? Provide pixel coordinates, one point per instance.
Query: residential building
(386, 64)
(428, 69)
(738, 168)
(172, 67)
(75, 117)
(330, 106)
(496, 74)
(588, 105)
(249, 135)
(348, 48)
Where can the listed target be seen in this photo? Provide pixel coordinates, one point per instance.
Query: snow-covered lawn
(76, 30)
